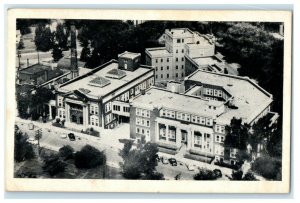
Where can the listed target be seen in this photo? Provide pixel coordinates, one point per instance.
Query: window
(167, 67)
(178, 40)
(168, 59)
(156, 76)
(176, 67)
(176, 50)
(137, 130)
(176, 59)
(156, 60)
(181, 74)
(176, 75)
(182, 51)
(167, 75)
(182, 40)
(161, 76)
(217, 138)
(156, 68)
(59, 101)
(161, 68)
(138, 112)
(182, 66)
(161, 60)
(182, 59)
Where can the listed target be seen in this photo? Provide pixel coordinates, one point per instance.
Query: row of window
(144, 85)
(61, 113)
(216, 93)
(142, 131)
(94, 121)
(171, 133)
(60, 102)
(143, 112)
(219, 150)
(168, 76)
(220, 129)
(142, 122)
(162, 60)
(220, 138)
(186, 117)
(94, 109)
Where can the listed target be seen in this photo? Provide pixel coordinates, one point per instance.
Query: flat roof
(162, 98)
(158, 52)
(179, 32)
(36, 68)
(84, 81)
(129, 55)
(249, 97)
(206, 60)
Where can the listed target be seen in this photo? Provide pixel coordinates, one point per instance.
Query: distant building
(170, 61)
(99, 98)
(18, 36)
(194, 121)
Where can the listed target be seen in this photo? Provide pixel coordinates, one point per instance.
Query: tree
(57, 53)
(54, 165)
(205, 174)
(21, 44)
(267, 167)
(85, 54)
(237, 134)
(43, 38)
(89, 157)
(66, 152)
(61, 36)
(238, 176)
(22, 149)
(140, 163)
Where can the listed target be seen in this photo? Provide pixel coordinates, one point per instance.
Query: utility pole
(38, 136)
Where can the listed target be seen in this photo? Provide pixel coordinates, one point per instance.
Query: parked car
(217, 173)
(71, 136)
(164, 160)
(190, 167)
(173, 162)
(63, 136)
(157, 158)
(32, 141)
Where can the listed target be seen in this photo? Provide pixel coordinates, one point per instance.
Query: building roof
(129, 55)
(65, 63)
(36, 68)
(161, 98)
(179, 32)
(107, 84)
(249, 97)
(201, 61)
(158, 52)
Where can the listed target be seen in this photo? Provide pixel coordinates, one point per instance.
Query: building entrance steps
(181, 151)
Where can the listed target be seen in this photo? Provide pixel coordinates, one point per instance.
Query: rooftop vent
(84, 91)
(116, 74)
(99, 82)
(198, 42)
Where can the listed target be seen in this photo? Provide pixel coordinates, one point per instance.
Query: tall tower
(74, 65)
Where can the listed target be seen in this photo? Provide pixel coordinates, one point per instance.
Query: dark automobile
(71, 136)
(173, 162)
(217, 173)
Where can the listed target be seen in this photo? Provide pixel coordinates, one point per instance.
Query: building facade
(169, 61)
(99, 98)
(194, 121)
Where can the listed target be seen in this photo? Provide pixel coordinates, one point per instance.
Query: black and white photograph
(161, 100)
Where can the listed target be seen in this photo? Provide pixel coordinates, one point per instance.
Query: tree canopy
(89, 157)
(44, 38)
(23, 150)
(140, 163)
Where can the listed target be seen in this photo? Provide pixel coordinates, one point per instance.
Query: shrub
(23, 150)
(89, 157)
(268, 167)
(205, 174)
(57, 120)
(54, 165)
(66, 152)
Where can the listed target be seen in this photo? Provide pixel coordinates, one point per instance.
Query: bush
(57, 120)
(23, 150)
(54, 165)
(66, 152)
(89, 157)
(205, 174)
(267, 167)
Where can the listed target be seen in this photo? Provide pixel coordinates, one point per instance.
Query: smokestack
(74, 65)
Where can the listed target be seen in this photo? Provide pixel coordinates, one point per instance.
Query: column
(50, 112)
(67, 112)
(190, 138)
(156, 131)
(178, 137)
(167, 133)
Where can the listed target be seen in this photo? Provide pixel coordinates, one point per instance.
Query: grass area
(34, 169)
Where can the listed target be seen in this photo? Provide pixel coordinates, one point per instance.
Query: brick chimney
(74, 65)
